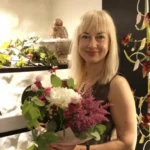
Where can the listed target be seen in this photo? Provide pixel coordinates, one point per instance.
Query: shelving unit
(8, 125)
(26, 69)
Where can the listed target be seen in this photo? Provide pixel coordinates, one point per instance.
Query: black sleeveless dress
(100, 92)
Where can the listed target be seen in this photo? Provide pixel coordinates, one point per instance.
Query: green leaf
(42, 147)
(51, 125)
(5, 45)
(82, 135)
(100, 128)
(26, 107)
(35, 134)
(51, 137)
(70, 83)
(42, 55)
(33, 147)
(95, 135)
(29, 125)
(39, 103)
(56, 81)
(35, 123)
(28, 117)
(20, 63)
(47, 138)
(4, 58)
(142, 45)
(34, 113)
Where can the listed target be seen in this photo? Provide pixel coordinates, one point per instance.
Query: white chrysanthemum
(62, 96)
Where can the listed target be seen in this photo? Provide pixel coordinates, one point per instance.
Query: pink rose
(43, 99)
(47, 91)
(38, 84)
(38, 78)
(34, 88)
(29, 56)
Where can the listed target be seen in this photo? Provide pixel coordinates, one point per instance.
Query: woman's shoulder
(118, 80)
(120, 88)
(119, 85)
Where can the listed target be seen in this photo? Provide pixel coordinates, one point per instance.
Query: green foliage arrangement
(26, 52)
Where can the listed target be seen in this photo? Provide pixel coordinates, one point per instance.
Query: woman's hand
(61, 147)
(80, 147)
(66, 147)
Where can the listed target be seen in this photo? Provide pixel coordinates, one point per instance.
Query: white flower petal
(62, 96)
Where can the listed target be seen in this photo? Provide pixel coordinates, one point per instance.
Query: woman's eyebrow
(97, 33)
(101, 33)
(85, 33)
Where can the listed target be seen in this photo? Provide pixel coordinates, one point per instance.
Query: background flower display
(61, 114)
(26, 52)
(138, 53)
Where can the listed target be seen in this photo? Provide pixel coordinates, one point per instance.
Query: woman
(94, 63)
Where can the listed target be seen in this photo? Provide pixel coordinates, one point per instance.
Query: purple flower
(89, 113)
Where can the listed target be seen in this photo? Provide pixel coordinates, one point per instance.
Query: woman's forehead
(94, 32)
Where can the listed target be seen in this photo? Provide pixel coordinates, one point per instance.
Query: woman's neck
(94, 70)
(92, 75)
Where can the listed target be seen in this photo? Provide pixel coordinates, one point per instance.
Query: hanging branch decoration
(139, 54)
(137, 50)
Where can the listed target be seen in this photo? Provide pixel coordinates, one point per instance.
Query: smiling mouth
(92, 53)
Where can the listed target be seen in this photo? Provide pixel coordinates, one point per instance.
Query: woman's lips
(92, 53)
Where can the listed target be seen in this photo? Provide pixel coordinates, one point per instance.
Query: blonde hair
(102, 21)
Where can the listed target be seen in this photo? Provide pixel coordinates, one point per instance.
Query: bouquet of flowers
(61, 114)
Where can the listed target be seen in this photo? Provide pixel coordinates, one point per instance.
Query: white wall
(71, 10)
(20, 17)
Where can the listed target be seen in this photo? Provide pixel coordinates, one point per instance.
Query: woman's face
(93, 46)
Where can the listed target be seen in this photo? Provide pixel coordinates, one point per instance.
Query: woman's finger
(54, 147)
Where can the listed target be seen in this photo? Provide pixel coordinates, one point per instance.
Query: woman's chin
(92, 61)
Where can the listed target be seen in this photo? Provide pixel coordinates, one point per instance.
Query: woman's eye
(85, 37)
(100, 37)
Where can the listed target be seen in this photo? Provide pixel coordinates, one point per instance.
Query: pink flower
(87, 114)
(34, 88)
(148, 49)
(47, 92)
(29, 56)
(42, 98)
(146, 120)
(38, 78)
(38, 84)
(148, 16)
(54, 68)
(146, 68)
(126, 39)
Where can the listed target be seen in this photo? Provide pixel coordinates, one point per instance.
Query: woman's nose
(92, 43)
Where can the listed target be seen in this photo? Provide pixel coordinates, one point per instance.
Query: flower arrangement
(54, 112)
(26, 52)
(139, 57)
